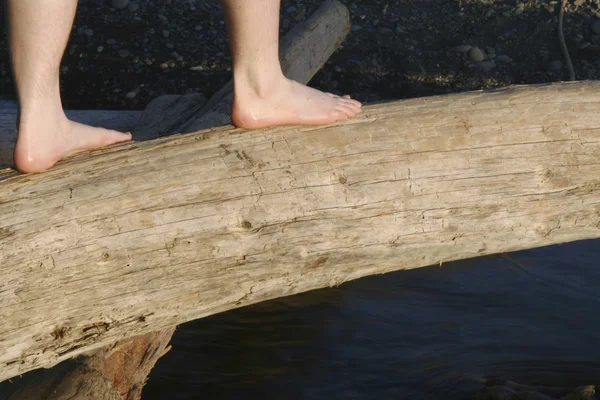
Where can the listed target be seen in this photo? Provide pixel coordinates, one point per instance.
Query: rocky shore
(123, 53)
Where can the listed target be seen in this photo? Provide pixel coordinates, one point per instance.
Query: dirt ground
(123, 58)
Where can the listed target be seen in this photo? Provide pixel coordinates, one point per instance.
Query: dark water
(432, 333)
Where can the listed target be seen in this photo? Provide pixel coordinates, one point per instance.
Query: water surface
(429, 333)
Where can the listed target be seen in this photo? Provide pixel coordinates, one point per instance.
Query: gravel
(119, 4)
(395, 49)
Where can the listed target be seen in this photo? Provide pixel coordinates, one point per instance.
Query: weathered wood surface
(143, 236)
(304, 51)
(123, 121)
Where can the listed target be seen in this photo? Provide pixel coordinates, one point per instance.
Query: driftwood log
(144, 236)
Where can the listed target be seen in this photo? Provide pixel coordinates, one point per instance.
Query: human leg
(263, 96)
(38, 33)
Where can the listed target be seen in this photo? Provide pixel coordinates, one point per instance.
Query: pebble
(133, 7)
(502, 58)
(166, 33)
(596, 27)
(131, 95)
(120, 4)
(124, 53)
(475, 54)
(89, 32)
(463, 48)
(198, 27)
(486, 65)
(99, 49)
(164, 66)
(555, 65)
(111, 42)
(356, 28)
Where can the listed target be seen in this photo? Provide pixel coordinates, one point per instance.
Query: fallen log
(144, 236)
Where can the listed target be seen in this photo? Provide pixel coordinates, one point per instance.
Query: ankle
(253, 83)
(32, 107)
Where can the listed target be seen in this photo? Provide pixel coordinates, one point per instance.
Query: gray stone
(133, 7)
(119, 4)
(502, 58)
(463, 48)
(555, 65)
(476, 54)
(595, 27)
(124, 53)
(89, 32)
(486, 65)
(131, 95)
(356, 28)
(166, 33)
(99, 49)
(111, 42)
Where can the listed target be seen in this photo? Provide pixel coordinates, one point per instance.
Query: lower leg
(38, 33)
(263, 96)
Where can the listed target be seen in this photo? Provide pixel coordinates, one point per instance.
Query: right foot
(287, 102)
(47, 136)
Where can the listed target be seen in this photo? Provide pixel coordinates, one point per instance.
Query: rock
(463, 48)
(475, 54)
(595, 27)
(198, 27)
(502, 58)
(99, 49)
(124, 53)
(131, 95)
(356, 28)
(555, 65)
(486, 66)
(89, 32)
(119, 4)
(166, 33)
(111, 42)
(133, 7)
(164, 66)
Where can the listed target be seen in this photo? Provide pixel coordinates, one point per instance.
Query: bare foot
(288, 102)
(46, 136)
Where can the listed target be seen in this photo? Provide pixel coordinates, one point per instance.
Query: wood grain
(143, 236)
